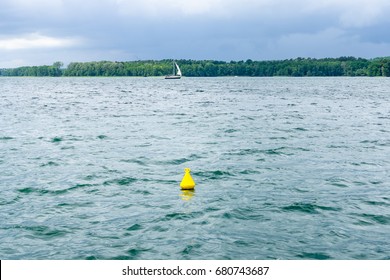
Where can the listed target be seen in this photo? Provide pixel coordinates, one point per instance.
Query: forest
(298, 67)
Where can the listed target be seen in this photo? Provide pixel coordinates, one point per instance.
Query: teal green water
(286, 168)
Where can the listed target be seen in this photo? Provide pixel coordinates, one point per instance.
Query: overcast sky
(38, 32)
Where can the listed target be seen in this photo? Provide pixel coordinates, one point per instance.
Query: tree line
(299, 67)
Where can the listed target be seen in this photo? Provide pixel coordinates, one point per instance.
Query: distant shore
(298, 67)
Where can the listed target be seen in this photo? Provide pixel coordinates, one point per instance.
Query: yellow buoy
(187, 183)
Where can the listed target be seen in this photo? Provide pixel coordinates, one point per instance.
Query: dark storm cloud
(43, 31)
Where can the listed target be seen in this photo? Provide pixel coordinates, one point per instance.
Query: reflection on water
(187, 194)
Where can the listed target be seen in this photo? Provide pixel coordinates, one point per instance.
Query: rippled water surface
(286, 168)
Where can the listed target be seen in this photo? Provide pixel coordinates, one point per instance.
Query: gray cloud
(70, 30)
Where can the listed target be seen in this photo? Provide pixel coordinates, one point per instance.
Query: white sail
(176, 72)
(178, 69)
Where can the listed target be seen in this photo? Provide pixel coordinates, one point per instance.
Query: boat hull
(172, 77)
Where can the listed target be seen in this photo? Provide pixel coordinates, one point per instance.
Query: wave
(30, 190)
(134, 227)
(213, 175)
(42, 191)
(182, 216)
(371, 219)
(41, 231)
(49, 163)
(314, 256)
(56, 139)
(125, 181)
(308, 208)
(338, 182)
(5, 138)
(245, 213)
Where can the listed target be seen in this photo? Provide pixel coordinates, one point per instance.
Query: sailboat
(176, 72)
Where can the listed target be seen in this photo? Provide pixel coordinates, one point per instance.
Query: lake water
(286, 168)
